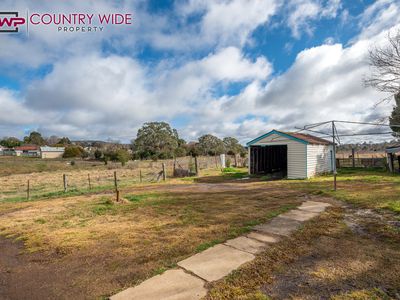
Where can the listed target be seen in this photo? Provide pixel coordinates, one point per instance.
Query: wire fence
(101, 177)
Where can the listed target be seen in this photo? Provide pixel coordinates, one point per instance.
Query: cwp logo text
(9, 21)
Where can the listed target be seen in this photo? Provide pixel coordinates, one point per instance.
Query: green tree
(10, 142)
(232, 147)
(35, 138)
(193, 149)
(122, 155)
(181, 149)
(394, 119)
(211, 145)
(64, 141)
(156, 140)
(73, 151)
(98, 154)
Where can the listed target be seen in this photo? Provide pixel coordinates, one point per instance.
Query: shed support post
(249, 160)
(334, 155)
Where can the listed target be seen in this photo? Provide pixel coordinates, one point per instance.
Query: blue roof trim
(279, 133)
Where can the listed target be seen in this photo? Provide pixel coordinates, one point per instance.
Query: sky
(227, 67)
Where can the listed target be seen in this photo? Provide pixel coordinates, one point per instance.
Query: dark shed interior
(269, 160)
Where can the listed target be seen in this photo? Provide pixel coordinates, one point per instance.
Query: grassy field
(92, 239)
(97, 246)
(10, 165)
(367, 188)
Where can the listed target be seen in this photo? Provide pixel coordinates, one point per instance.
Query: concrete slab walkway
(218, 261)
(215, 262)
(171, 285)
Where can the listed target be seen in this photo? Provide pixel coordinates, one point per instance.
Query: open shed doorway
(269, 160)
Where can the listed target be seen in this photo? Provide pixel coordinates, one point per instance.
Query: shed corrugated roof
(309, 138)
(301, 137)
(52, 149)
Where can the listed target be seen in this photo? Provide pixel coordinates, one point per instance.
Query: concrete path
(188, 281)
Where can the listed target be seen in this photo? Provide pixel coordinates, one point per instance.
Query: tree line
(154, 140)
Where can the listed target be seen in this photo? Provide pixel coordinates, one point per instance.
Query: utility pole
(334, 156)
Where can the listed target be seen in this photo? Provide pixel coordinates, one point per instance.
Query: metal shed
(290, 154)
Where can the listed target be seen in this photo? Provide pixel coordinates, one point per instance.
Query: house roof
(27, 148)
(52, 149)
(300, 137)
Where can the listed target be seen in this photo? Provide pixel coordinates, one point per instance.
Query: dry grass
(368, 188)
(323, 260)
(121, 244)
(46, 176)
(98, 246)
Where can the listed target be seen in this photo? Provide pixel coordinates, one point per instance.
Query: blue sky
(227, 67)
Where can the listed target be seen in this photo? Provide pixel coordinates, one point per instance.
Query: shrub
(98, 154)
(73, 151)
(228, 163)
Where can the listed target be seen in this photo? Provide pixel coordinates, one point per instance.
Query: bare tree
(385, 63)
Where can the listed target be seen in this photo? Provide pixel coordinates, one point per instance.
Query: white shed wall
(296, 154)
(319, 159)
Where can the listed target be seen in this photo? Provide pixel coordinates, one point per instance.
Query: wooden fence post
(353, 157)
(196, 166)
(140, 175)
(116, 186)
(164, 174)
(28, 191)
(117, 192)
(115, 180)
(65, 182)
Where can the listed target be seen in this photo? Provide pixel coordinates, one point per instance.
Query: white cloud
(97, 96)
(14, 111)
(324, 83)
(222, 22)
(302, 12)
(378, 17)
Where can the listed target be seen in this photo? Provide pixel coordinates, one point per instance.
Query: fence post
(116, 186)
(353, 157)
(140, 175)
(65, 183)
(115, 181)
(196, 166)
(28, 191)
(117, 192)
(164, 174)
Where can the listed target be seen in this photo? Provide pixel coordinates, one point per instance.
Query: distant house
(27, 150)
(52, 152)
(294, 155)
(1, 149)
